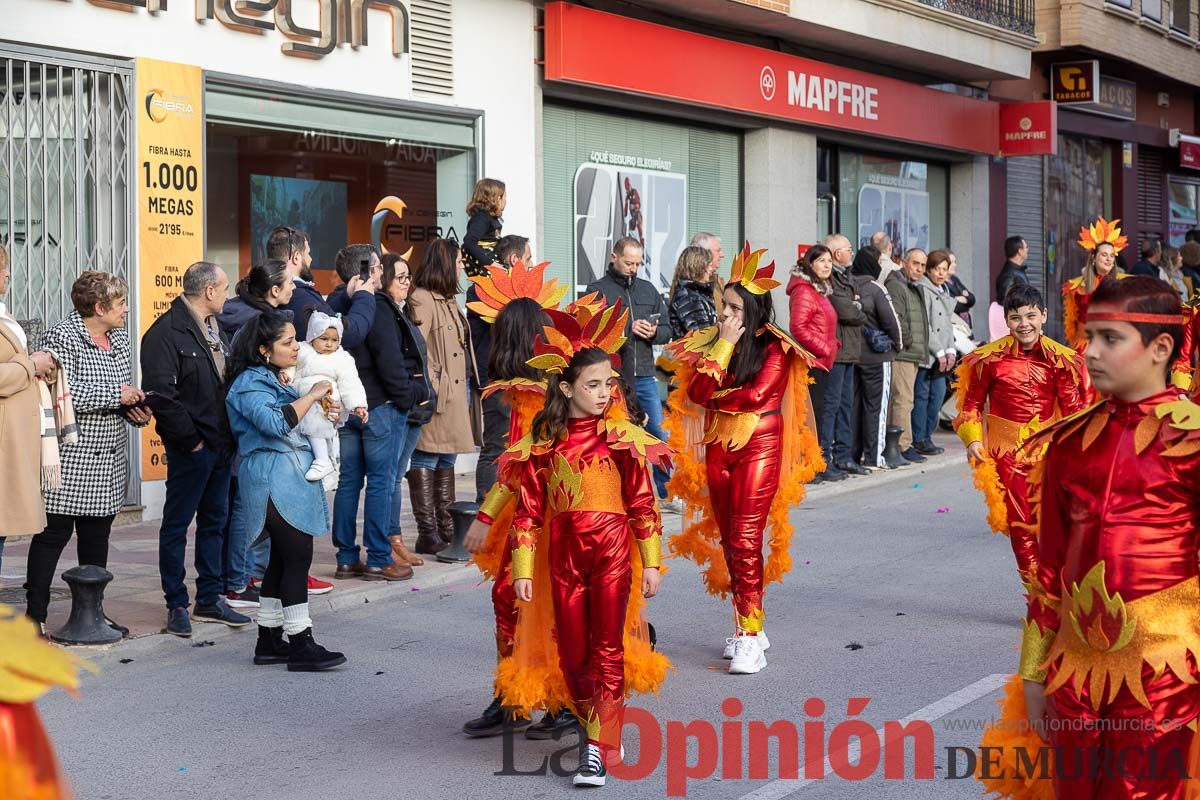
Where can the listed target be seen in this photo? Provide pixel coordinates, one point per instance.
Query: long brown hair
(690, 266)
(438, 272)
(1090, 277)
(551, 422)
(487, 198)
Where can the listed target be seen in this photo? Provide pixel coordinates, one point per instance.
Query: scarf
(59, 427)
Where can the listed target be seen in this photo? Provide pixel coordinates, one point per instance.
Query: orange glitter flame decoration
(501, 286)
(746, 271)
(591, 324)
(1102, 232)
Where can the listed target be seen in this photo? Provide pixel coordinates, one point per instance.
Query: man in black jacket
(647, 327)
(1151, 256)
(183, 362)
(1016, 253)
(836, 430)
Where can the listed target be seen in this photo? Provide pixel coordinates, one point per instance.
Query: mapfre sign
(703, 70)
(338, 21)
(1029, 129)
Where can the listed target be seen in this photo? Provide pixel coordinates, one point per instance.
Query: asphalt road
(899, 594)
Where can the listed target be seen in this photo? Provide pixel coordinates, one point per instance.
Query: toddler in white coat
(323, 359)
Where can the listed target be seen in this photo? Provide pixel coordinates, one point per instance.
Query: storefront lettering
(250, 16)
(621, 160)
(832, 97)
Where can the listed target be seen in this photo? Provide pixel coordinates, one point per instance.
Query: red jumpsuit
(588, 495)
(1007, 394)
(1113, 625)
(1182, 372)
(742, 460)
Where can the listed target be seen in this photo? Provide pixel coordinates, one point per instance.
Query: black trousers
(91, 546)
(291, 556)
(496, 417)
(870, 412)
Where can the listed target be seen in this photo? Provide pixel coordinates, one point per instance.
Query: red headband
(1131, 316)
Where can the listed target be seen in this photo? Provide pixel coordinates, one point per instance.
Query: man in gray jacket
(930, 388)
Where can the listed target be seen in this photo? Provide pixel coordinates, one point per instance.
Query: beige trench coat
(20, 441)
(458, 420)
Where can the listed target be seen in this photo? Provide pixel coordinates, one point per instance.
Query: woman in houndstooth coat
(92, 345)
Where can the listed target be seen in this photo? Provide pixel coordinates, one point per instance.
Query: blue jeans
(929, 393)
(197, 486)
(835, 428)
(411, 434)
(370, 452)
(646, 389)
(245, 555)
(425, 460)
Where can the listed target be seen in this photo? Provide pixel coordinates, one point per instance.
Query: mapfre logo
(159, 107)
(766, 83)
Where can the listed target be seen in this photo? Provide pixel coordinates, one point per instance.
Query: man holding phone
(358, 267)
(646, 311)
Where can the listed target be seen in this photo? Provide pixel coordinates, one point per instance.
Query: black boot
(492, 722)
(891, 447)
(420, 493)
(271, 648)
(443, 496)
(305, 655)
(553, 726)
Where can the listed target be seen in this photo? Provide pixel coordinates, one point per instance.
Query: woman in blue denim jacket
(263, 414)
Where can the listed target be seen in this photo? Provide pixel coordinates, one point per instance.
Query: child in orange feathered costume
(512, 300)
(29, 667)
(743, 397)
(586, 539)
(1008, 390)
(1103, 240)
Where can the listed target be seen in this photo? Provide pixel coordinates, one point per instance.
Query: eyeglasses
(404, 279)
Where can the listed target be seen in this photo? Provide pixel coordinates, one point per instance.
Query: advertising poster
(615, 201)
(902, 212)
(170, 199)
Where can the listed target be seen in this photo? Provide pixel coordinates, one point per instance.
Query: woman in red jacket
(813, 322)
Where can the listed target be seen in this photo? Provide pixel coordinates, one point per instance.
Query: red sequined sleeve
(752, 396)
(529, 517)
(638, 493)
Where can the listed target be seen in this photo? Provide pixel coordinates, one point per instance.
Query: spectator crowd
(273, 400)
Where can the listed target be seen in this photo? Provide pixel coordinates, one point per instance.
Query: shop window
(907, 199)
(1120, 3)
(1184, 212)
(1078, 189)
(329, 185)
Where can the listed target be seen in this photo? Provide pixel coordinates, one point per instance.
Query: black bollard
(463, 514)
(86, 625)
(891, 447)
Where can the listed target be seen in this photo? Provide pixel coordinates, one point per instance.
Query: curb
(883, 477)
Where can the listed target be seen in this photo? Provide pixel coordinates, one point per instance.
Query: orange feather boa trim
(1010, 732)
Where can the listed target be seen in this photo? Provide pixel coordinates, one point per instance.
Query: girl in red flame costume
(748, 381)
(586, 536)
(1112, 633)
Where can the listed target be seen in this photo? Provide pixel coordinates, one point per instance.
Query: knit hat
(319, 322)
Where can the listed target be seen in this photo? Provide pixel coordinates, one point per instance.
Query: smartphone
(364, 270)
(653, 318)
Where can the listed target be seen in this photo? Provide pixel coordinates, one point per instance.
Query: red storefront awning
(595, 48)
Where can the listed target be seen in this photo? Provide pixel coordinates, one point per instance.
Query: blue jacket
(357, 316)
(274, 454)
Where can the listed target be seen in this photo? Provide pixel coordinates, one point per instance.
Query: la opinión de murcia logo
(766, 83)
(159, 106)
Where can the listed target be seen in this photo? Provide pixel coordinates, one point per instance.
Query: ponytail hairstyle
(551, 422)
(259, 282)
(758, 310)
(517, 327)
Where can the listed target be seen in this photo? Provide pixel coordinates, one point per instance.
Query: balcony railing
(1012, 15)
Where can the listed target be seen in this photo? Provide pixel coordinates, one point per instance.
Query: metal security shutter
(1026, 218)
(432, 47)
(1151, 186)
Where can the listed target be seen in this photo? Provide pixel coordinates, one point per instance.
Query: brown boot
(443, 496)
(392, 572)
(401, 554)
(420, 492)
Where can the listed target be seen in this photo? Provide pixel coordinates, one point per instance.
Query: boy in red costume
(1008, 390)
(1113, 626)
(584, 493)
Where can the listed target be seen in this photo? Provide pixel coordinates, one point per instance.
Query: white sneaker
(592, 771)
(748, 656)
(763, 642)
(671, 506)
(319, 470)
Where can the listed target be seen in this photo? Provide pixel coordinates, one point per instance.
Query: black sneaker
(552, 726)
(592, 771)
(928, 448)
(912, 455)
(222, 613)
(305, 655)
(853, 468)
(247, 598)
(493, 721)
(178, 623)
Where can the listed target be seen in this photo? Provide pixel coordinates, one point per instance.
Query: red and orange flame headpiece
(746, 271)
(587, 323)
(501, 286)
(1102, 232)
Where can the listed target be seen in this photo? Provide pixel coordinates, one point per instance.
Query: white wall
(494, 71)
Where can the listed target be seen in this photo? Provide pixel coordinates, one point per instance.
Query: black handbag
(877, 340)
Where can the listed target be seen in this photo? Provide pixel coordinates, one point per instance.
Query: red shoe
(318, 587)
